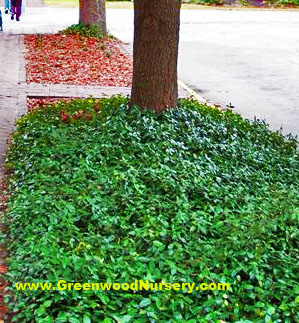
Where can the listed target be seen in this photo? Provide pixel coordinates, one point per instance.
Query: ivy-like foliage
(101, 192)
(84, 31)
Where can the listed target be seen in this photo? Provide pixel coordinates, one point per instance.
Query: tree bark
(92, 12)
(156, 39)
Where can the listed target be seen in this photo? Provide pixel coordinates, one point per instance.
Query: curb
(201, 99)
(188, 89)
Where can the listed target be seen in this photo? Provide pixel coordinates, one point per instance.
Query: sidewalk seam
(22, 62)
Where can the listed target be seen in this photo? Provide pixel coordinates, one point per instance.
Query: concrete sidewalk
(11, 75)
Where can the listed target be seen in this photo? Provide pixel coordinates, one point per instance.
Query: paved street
(247, 58)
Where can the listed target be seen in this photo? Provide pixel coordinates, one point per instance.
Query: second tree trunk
(92, 12)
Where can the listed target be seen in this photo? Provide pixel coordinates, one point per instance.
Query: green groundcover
(104, 193)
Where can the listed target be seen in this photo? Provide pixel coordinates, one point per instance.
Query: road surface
(249, 59)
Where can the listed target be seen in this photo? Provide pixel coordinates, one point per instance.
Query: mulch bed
(77, 60)
(33, 103)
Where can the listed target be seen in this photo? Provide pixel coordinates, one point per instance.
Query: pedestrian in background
(16, 9)
(7, 6)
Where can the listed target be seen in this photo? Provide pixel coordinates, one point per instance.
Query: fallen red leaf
(75, 60)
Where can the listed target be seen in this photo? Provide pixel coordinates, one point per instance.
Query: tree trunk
(92, 12)
(156, 39)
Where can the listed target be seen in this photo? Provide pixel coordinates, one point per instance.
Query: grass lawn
(62, 3)
(75, 3)
(129, 5)
(100, 192)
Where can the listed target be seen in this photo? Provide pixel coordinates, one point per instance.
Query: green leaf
(145, 302)
(86, 318)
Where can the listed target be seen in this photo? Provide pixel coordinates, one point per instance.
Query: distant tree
(156, 39)
(93, 12)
